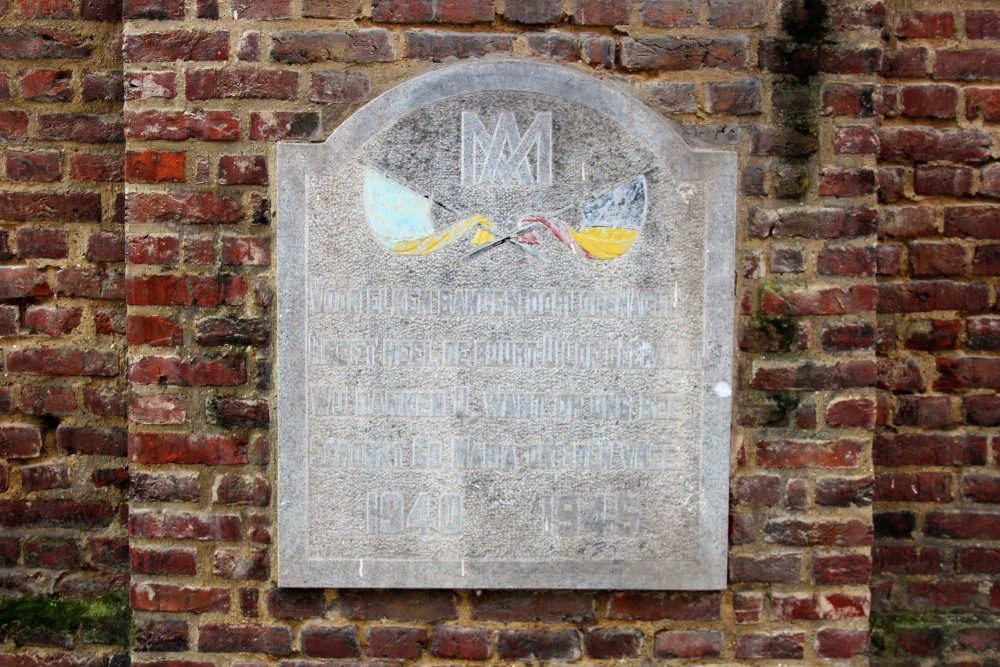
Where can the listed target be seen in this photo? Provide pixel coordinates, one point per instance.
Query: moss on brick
(887, 625)
(103, 620)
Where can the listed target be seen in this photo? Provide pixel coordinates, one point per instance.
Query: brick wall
(806, 92)
(936, 455)
(62, 318)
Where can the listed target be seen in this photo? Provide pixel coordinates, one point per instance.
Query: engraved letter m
(504, 157)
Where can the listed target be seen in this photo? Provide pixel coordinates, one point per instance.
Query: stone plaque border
(716, 169)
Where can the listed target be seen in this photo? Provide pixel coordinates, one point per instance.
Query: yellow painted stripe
(604, 242)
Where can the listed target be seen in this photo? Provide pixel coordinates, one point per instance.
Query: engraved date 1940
(390, 513)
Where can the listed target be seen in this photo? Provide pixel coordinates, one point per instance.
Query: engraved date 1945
(575, 515)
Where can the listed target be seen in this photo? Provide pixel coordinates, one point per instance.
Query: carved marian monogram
(505, 156)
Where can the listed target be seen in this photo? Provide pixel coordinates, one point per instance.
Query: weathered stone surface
(505, 334)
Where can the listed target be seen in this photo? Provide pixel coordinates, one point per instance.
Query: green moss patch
(103, 620)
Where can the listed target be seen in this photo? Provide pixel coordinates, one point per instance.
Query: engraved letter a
(504, 156)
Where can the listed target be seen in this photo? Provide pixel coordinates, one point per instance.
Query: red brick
(156, 409)
(923, 411)
(756, 490)
(189, 372)
(396, 642)
(978, 222)
(17, 282)
(982, 25)
(104, 402)
(968, 372)
(163, 561)
(261, 10)
(52, 321)
(330, 642)
(986, 261)
(929, 101)
(26, 42)
(519, 606)
(932, 335)
(150, 249)
(670, 54)
(32, 243)
(910, 62)
(840, 375)
(9, 316)
(250, 638)
(966, 65)
(943, 181)
(154, 167)
(736, 13)
(236, 565)
(923, 144)
(106, 247)
(930, 295)
(92, 284)
(184, 526)
(930, 259)
(165, 487)
(857, 412)
(104, 86)
(165, 290)
(52, 554)
(63, 361)
(779, 646)
(855, 140)
(55, 513)
(748, 607)
(217, 331)
(670, 13)
(183, 207)
(43, 477)
(536, 645)
(278, 125)
(159, 448)
(838, 643)
(97, 167)
(91, 441)
(601, 12)
(33, 166)
(436, 46)
(245, 250)
(148, 9)
(340, 87)
(928, 449)
(150, 85)
(985, 101)
(784, 568)
(963, 525)
(363, 46)
(176, 45)
(242, 490)
(240, 83)
(842, 569)
(802, 532)
(533, 11)
(659, 606)
(243, 170)
(295, 603)
(920, 487)
(981, 410)
(940, 594)
(402, 11)
(808, 454)
(926, 24)
(978, 560)
(688, 644)
(180, 126)
(151, 596)
(981, 488)
(13, 124)
(153, 330)
(81, 127)
(47, 400)
(736, 97)
(45, 9)
(161, 635)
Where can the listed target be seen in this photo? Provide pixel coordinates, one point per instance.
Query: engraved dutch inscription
(505, 312)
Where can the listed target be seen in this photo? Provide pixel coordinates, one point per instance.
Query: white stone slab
(544, 404)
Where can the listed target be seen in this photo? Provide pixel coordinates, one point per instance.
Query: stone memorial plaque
(505, 298)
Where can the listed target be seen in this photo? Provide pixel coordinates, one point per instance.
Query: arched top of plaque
(505, 332)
